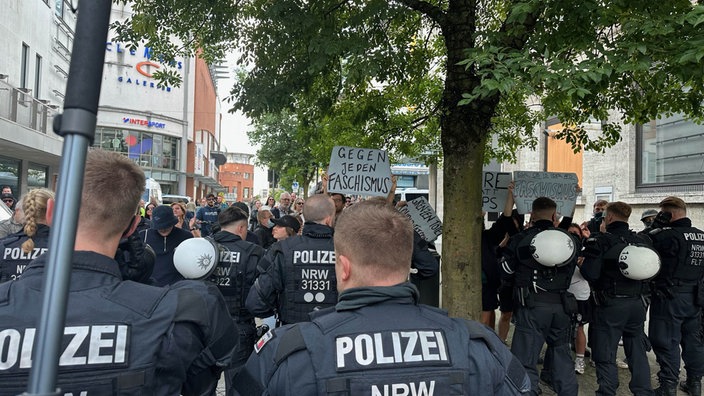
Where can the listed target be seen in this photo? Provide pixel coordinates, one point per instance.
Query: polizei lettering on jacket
(81, 346)
(313, 257)
(694, 236)
(391, 348)
(18, 254)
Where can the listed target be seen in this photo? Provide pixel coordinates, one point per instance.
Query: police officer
(539, 263)
(378, 340)
(297, 274)
(121, 337)
(618, 265)
(32, 241)
(675, 312)
(234, 276)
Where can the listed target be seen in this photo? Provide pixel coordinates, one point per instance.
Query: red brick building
(237, 176)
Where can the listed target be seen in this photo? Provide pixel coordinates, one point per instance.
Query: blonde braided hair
(34, 205)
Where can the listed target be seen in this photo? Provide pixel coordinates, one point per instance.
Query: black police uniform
(619, 311)
(379, 341)
(543, 309)
(675, 312)
(14, 260)
(121, 337)
(297, 276)
(234, 276)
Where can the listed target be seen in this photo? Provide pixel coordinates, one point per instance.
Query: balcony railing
(18, 105)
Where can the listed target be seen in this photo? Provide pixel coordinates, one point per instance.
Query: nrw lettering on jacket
(384, 349)
(412, 388)
(82, 346)
(313, 257)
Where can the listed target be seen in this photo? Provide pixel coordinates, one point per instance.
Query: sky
(234, 129)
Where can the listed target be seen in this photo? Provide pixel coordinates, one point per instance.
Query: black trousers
(545, 323)
(673, 323)
(615, 319)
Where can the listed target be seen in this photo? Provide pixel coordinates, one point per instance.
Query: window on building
(670, 151)
(405, 181)
(245, 192)
(24, 73)
(37, 176)
(246, 175)
(59, 8)
(38, 76)
(560, 157)
(146, 149)
(9, 174)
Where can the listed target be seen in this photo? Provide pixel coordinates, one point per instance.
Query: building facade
(237, 176)
(171, 132)
(664, 157)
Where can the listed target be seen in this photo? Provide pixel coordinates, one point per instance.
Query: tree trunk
(462, 226)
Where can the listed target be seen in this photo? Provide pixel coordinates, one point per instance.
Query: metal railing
(18, 105)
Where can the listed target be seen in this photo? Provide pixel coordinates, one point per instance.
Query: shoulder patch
(262, 341)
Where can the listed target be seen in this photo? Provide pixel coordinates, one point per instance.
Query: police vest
(535, 276)
(416, 353)
(14, 259)
(238, 262)
(310, 283)
(612, 279)
(105, 357)
(687, 265)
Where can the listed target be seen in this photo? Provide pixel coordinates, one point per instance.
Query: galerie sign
(560, 187)
(425, 221)
(359, 171)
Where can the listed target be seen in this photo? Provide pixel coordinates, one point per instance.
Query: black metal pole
(77, 126)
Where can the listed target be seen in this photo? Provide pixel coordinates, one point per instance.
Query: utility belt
(608, 297)
(528, 298)
(675, 286)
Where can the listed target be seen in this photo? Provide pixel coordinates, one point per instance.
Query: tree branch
(435, 13)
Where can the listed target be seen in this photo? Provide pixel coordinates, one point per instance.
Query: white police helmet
(196, 258)
(638, 262)
(552, 248)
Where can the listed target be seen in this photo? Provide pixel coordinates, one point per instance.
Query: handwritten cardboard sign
(359, 171)
(560, 187)
(425, 221)
(495, 190)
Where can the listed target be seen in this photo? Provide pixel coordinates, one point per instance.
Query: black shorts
(506, 299)
(490, 297)
(584, 311)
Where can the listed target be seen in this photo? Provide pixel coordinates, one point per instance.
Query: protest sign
(495, 190)
(560, 187)
(425, 221)
(359, 171)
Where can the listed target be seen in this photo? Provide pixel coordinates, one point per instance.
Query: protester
(122, 337)
(164, 237)
(341, 351)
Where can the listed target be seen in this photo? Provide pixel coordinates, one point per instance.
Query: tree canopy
(445, 75)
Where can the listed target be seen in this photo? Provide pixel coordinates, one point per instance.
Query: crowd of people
(164, 299)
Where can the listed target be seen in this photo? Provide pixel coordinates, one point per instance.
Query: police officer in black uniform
(539, 263)
(678, 297)
(297, 275)
(234, 276)
(618, 265)
(121, 337)
(378, 340)
(32, 241)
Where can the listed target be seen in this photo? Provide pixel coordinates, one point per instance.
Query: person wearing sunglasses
(9, 200)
